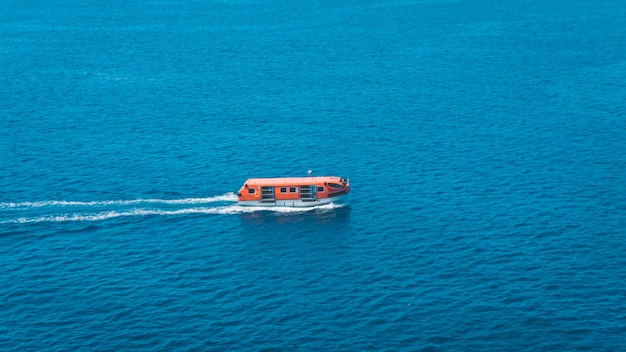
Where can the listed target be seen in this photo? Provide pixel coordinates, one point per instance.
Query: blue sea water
(485, 142)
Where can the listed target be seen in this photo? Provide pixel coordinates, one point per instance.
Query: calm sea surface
(485, 142)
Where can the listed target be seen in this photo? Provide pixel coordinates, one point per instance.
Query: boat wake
(228, 197)
(59, 211)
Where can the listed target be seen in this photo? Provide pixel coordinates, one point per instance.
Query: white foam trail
(111, 215)
(105, 215)
(228, 197)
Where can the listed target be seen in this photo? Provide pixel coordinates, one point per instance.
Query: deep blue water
(485, 142)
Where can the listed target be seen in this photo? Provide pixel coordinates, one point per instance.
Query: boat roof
(287, 181)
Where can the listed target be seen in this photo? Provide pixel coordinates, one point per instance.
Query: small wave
(228, 197)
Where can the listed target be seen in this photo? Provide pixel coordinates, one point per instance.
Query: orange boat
(294, 191)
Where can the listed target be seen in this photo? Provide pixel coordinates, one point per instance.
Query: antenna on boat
(310, 173)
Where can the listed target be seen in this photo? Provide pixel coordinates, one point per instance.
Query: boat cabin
(294, 191)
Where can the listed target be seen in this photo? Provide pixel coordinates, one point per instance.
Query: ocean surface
(485, 142)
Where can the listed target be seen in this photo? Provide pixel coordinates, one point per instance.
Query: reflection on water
(307, 219)
(316, 232)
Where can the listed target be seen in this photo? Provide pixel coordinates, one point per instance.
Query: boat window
(250, 190)
(320, 189)
(283, 190)
(292, 189)
(334, 185)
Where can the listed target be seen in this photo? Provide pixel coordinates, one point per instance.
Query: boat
(308, 191)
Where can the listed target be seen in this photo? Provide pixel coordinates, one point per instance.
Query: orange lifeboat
(294, 191)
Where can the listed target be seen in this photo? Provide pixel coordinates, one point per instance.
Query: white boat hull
(297, 203)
